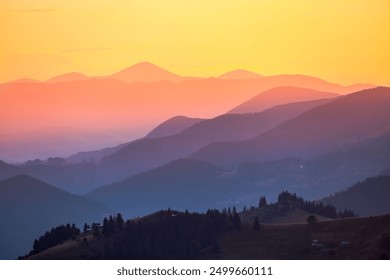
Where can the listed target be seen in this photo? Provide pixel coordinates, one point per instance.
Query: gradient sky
(342, 41)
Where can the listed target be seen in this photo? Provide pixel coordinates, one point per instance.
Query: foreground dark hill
(176, 235)
(349, 119)
(30, 207)
(150, 153)
(367, 198)
(279, 96)
(367, 238)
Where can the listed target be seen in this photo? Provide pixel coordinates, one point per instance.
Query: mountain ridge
(350, 118)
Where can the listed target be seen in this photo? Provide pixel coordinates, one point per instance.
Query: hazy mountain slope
(325, 128)
(149, 153)
(29, 207)
(278, 96)
(182, 184)
(8, 170)
(93, 156)
(172, 126)
(367, 198)
(82, 172)
(172, 185)
(317, 177)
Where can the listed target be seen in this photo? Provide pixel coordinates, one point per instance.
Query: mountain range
(84, 171)
(125, 105)
(203, 142)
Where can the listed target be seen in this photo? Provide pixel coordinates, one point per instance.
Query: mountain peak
(68, 77)
(146, 72)
(240, 74)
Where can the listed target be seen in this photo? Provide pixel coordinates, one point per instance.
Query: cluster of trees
(234, 218)
(288, 201)
(54, 237)
(164, 235)
(170, 235)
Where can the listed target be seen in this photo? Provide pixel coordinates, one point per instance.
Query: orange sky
(341, 41)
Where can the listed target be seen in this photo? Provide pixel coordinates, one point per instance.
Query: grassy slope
(369, 239)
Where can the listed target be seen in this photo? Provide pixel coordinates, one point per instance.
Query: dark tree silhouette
(311, 219)
(256, 224)
(106, 230)
(119, 222)
(262, 202)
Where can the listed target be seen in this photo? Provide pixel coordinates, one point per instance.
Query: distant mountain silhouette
(278, 96)
(146, 72)
(172, 126)
(29, 207)
(25, 80)
(240, 75)
(367, 198)
(325, 128)
(93, 156)
(110, 106)
(69, 77)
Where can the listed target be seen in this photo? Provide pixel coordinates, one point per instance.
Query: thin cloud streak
(87, 50)
(35, 10)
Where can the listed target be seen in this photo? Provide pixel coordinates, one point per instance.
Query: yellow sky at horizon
(344, 42)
